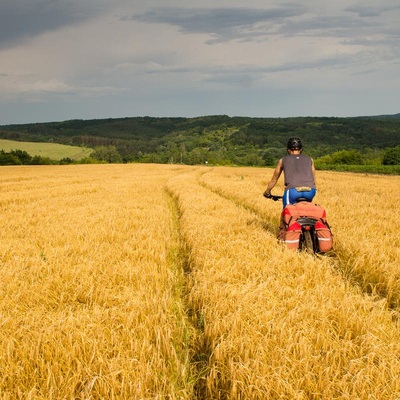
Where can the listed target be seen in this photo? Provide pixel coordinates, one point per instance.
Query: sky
(95, 59)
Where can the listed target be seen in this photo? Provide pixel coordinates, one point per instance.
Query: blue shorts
(291, 196)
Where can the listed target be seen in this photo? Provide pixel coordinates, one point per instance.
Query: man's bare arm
(275, 177)
(313, 170)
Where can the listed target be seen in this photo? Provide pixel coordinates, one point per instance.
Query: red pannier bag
(324, 235)
(292, 229)
(292, 237)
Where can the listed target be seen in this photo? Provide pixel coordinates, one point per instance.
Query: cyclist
(299, 174)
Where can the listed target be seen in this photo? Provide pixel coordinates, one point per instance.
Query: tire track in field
(268, 224)
(370, 285)
(202, 347)
(335, 320)
(341, 260)
(200, 351)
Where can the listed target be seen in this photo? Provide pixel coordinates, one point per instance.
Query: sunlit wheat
(167, 282)
(89, 279)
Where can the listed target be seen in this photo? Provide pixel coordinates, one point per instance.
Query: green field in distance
(53, 151)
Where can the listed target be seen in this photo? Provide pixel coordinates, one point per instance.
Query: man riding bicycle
(299, 174)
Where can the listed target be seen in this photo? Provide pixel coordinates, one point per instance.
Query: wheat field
(167, 282)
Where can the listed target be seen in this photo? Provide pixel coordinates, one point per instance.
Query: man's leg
(292, 196)
(282, 226)
(285, 198)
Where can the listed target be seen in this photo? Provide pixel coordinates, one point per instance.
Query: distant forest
(224, 140)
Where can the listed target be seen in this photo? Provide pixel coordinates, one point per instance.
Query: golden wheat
(362, 210)
(277, 324)
(161, 281)
(89, 284)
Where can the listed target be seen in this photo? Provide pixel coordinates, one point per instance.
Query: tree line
(21, 157)
(221, 140)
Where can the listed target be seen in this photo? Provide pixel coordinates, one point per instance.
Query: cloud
(23, 85)
(372, 11)
(260, 24)
(222, 23)
(159, 57)
(50, 86)
(21, 19)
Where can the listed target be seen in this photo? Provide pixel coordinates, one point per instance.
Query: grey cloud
(334, 26)
(223, 23)
(248, 24)
(368, 11)
(27, 18)
(246, 75)
(328, 62)
(390, 40)
(367, 32)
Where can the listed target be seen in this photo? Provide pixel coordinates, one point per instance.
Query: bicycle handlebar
(273, 197)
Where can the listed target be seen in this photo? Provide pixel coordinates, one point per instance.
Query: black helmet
(294, 143)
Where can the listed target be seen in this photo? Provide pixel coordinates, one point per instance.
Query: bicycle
(306, 227)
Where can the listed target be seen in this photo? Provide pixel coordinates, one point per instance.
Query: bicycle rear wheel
(308, 244)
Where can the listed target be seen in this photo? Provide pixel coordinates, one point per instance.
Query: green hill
(54, 151)
(217, 139)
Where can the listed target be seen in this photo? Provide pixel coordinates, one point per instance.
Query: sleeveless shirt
(297, 170)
